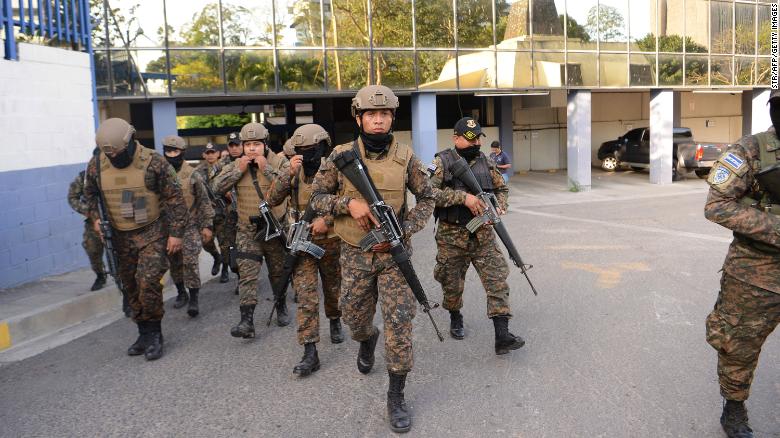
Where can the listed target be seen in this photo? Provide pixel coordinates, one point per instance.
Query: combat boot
(735, 420)
(139, 346)
(100, 282)
(282, 317)
(245, 327)
(336, 335)
(365, 359)
(456, 325)
(181, 298)
(310, 361)
(505, 340)
(397, 412)
(225, 277)
(192, 309)
(154, 348)
(216, 265)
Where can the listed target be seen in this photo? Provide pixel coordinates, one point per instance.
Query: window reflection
(249, 70)
(194, 23)
(696, 68)
(247, 23)
(744, 31)
(436, 69)
(721, 71)
(301, 70)
(348, 70)
(392, 23)
(434, 23)
(475, 23)
(395, 69)
(299, 22)
(640, 27)
(196, 71)
(613, 70)
(135, 23)
(348, 24)
(721, 17)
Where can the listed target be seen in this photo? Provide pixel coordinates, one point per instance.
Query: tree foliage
(605, 23)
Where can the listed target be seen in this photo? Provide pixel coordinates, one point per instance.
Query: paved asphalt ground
(615, 347)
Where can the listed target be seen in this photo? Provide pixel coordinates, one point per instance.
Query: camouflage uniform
(226, 226)
(748, 305)
(91, 240)
(457, 248)
(371, 277)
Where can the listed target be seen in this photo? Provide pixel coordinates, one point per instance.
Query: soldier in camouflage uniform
(185, 265)
(226, 231)
(371, 277)
(253, 175)
(306, 148)
(137, 184)
(748, 305)
(458, 248)
(208, 169)
(91, 242)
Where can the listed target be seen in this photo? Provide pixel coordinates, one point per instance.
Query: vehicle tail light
(699, 152)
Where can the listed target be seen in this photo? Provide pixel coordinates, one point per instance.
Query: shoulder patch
(720, 176)
(431, 169)
(734, 163)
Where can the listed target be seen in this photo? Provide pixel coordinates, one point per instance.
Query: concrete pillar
(664, 111)
(755, 111)
(578, 139)
(424, 126)
(163, 120)
(506, 129)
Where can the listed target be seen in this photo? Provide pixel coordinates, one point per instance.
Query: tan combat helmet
(308, 135)
(288, 148)
(114, 135)
(253, 131)
(174, 141)
(374, 97)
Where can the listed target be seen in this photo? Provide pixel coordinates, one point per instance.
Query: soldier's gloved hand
(206, 235)
(381, 247)
(474, 204)
(295, 164)
(174, 245)
(243, 163)
(359, 211)
(319, 227)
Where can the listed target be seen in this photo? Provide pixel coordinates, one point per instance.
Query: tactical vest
(249, 200)
(301, 195)
(185, 179)
(389, 176)
(130, 204)
(460, 214)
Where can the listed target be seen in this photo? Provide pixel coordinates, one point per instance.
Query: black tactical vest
(460, 214)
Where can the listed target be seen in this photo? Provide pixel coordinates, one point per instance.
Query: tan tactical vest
(389, 176)
(130, 204)
(304, 191)
(185, 179)
(248, 200)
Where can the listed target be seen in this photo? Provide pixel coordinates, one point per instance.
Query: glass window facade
(234, 47)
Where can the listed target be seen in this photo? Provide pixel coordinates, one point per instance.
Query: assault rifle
(108, 240)
(389, 230)
(462, 171)
(300, 243)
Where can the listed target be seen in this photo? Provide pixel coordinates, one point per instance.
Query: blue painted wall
(39, 233)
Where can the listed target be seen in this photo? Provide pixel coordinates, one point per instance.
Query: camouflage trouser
(305, 284)
(211, 245)
(366, 279)
(251, 252)
(225, 230)
(94, 248)
(453, 261)
(141, 270)
(185, 266)
(743, 317)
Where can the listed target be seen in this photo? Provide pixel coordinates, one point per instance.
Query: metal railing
(66, 21)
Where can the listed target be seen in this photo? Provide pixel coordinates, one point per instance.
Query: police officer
(208, 169)
(185, 265)
(371, 277)
(748, 305)
(91, 240)
(457, 247)
(137, 184)
(307, 148)
(252, 176)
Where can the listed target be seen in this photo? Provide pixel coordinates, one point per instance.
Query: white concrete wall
(46, 112)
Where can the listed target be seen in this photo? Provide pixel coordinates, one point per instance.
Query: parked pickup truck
(633, 149)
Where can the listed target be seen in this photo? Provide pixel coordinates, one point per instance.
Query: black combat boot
(282, 317)
(182, 298)
(397, 412)
(126, 305)
(225, 277)
(456, 324)
(139, 346)
(336, 335)
(505, 340)
(310, 361)
(100, 282)
(245, 327)
(154, 348)
(735, 420)
(217, 264)
(192, 309)
(365, 359)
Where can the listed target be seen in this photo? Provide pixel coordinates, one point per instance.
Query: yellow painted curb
(5, 337)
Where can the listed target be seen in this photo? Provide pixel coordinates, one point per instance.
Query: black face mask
(774, 114)
(176, 161)
(469, 153)
(311, 159)
(124, 158)
(376, 143)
